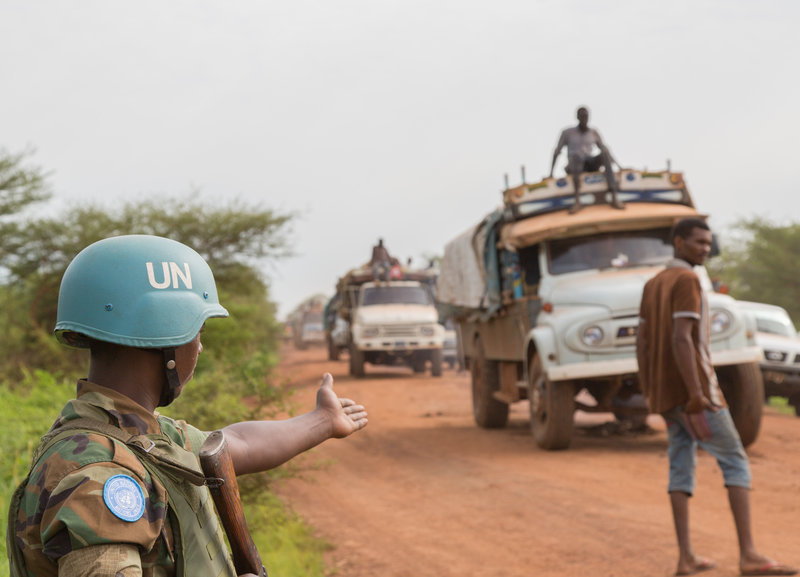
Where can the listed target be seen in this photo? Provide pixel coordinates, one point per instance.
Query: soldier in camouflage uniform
(116, 489)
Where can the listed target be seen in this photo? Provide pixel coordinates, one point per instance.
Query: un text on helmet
(171, 272)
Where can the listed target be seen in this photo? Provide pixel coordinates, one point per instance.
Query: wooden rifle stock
(221, 480)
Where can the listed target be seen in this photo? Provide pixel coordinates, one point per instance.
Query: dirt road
(423, 492)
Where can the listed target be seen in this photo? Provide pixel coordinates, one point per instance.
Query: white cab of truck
(396, 322)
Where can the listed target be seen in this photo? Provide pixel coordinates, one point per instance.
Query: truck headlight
(720, 321)
(370, 332)
(592, 336)
(427, 331)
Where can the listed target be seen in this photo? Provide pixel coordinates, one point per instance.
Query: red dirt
(422, 491)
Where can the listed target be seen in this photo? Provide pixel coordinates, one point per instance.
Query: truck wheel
(333, 351)
(299, 344)
(356, 361)
(794, 401)
(743, 388)
(489, 412)
(552, 408)
(436, 363)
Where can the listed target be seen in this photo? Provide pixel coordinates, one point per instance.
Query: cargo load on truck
(547, 303)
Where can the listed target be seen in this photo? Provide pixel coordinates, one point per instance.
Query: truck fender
(543, 341)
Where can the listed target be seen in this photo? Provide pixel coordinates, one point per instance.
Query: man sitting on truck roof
(580, 141)
(380, 262)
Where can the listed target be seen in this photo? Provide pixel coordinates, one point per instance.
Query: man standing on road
(678, 379)
(581, 141)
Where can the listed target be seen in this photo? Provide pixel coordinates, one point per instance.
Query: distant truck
(547, 304)
(306, 322)
(780, 367)
(337, 330)
(392, 322)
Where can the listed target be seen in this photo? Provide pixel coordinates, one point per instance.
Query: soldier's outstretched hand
(346, 416)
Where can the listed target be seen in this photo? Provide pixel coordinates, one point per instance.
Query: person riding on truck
(380, 262)
(581, 141)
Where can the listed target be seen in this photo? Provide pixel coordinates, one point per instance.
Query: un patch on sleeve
(124, 498)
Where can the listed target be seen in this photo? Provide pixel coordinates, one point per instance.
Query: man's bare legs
(613, 187)
(688, 562)
(575, 166)
(749, 558)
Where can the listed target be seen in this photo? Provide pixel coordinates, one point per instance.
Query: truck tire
(436, 363)
(552, 408)
(489, 412)
(356, 361)
(333, 351)
(743, 388)
(794, 401)
(418, 363)
(298, 343)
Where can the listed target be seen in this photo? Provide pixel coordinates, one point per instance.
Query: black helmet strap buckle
(170, 392)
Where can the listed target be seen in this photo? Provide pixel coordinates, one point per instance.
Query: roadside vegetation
(759, 263)
(235, 375)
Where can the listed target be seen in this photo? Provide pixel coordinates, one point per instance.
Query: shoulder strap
(142, 445)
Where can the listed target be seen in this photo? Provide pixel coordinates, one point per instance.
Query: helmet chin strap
(170, 392)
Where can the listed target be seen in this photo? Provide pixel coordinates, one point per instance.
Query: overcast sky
(396, 119)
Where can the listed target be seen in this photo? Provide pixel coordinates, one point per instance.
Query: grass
(781, 404)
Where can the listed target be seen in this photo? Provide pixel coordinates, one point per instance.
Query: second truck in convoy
(391, 322)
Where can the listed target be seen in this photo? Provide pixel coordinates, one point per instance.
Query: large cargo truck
(391, 322)
(547, 304)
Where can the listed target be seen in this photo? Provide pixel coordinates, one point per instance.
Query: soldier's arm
(262, 445)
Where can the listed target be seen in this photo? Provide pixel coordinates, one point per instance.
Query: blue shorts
(724, 445)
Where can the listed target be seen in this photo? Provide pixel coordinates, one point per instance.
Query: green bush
(27, 411)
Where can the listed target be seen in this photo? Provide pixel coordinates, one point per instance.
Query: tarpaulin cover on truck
(469, 280)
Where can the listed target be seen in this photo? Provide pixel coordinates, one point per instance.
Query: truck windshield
(312, 318)
(384, 295)
(610, 250)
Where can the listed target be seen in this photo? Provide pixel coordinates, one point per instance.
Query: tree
(21, 185)
(236, 239)
(762, 265)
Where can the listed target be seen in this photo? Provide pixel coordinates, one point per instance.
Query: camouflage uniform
(64, 523)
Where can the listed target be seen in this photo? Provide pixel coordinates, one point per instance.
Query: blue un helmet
(138, 291)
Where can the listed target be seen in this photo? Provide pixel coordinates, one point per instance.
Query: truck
(337, 330)
(547, 304)
(780, 367)
(306, 322)
(391, 322)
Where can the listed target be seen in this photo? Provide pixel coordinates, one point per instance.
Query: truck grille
(399, 330)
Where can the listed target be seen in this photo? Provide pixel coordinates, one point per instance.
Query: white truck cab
(393, 322)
